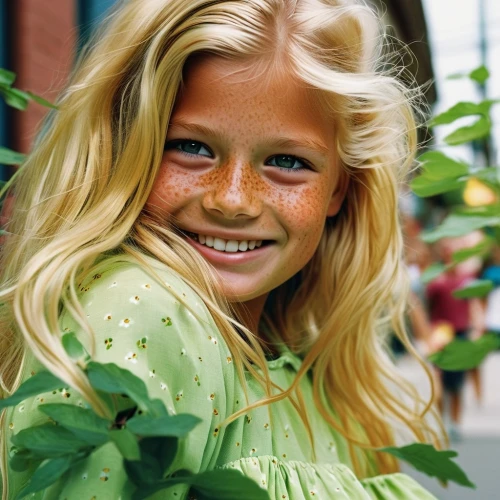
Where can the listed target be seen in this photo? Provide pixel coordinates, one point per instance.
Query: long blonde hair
(81, 195)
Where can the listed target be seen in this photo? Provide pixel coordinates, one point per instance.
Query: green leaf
(462, 354)
(480, 249)
(48, 441)
(37, 384)
(440, 166)
(459, 225)
(227, 485)
(487, 104)
(457, 111)
(10, 157)
(480, 75)
(48, 473)
(167, 425)
(73, 347)
(478, 130)
(432, 272)
(163, 449)
(112, 379)
(22, 460)
(15, 97)
(476, 288)
(147, 471)
(41, 100)
(440, 174)
(126, 442)
(81, 422)
(7, 77)
(434, 463)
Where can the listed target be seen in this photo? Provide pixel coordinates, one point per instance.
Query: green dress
(182, 357)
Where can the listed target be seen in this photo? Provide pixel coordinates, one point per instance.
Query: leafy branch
(145, 435)
(442, 174)
(18, 99)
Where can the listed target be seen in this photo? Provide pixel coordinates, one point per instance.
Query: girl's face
(249, 175)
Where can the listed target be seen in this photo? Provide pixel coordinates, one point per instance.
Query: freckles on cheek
(306, 207)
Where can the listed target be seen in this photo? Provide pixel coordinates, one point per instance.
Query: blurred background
(38, 41)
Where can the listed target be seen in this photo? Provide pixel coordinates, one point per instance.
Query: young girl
(214, 207)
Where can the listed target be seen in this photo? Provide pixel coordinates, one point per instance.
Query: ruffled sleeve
(141, 324)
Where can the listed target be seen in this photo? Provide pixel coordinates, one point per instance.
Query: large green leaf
(126, 442)
(457, 111)
(425, 458)
(464, 354)
(48, 473)
(478, 130)
(7, 78)
(167, 425)
(10, 157)
(112, 379)
(37, 384)
(83, 423)
(48, 441)
(459, 225)
(73, 347)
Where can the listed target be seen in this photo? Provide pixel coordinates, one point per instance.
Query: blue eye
(189, 147)
(287, 162)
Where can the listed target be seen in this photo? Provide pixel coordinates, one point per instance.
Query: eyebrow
(280, 142)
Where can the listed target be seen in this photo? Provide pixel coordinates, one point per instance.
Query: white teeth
(222, 245)
(232, 246)
(219, 244)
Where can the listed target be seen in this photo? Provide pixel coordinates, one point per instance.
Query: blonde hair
(81, 196)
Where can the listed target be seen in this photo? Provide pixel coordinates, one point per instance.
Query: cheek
(305, 209)
(304, 216)
(171, 188)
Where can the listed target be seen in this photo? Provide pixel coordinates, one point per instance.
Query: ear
(338, 196)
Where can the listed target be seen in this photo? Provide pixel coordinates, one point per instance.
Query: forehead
(222, 89)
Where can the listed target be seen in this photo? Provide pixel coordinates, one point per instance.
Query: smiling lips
(223, 245)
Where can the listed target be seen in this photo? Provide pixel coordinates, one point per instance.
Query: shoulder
(146, 315)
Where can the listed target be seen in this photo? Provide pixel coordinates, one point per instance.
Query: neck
(250, 312)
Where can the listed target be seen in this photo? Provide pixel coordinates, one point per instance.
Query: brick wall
(44, 42)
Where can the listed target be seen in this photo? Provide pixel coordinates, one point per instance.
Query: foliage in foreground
(443, 174)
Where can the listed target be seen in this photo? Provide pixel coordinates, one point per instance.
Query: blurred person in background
(458, 318)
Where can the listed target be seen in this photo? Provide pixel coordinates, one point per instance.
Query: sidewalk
(479, 451)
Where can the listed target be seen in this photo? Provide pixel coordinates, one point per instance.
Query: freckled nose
(233, 192)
